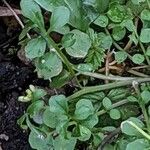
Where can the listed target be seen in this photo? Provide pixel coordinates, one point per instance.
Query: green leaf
(101, 21)
(128, 23)
(132, 99)
(105, 40)
(68, 40)
(117, 93)
(61, 79)
(137, 2)
(49, 5)
(58, 104)
(145, 96)
(148, 51)
(35, 48)
(49, 65)
(145, 15)
(145, 35)
(39, 142)
(85, 67)
(81, 46)
(21, 122)
(64, 144)
(116, 13)
(38, 94)
(107, 103)
(139, 144)
(85, 133)
(118, 33)
(49, 118)
(134, 39)
(90, 122)
(120, 56)
(60, 17)
(115, 114)
(84, 108)
(102, 5)
(31, 10)
(138, 58)
(95, 57)
(129, 129)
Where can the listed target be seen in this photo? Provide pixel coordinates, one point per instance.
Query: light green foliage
(120, 57)
(85, 48)
(138, 58)
(35, 48)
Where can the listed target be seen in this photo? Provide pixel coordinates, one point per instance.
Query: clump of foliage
(93, 34)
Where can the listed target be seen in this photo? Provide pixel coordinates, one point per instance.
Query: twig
(16, 16)
(137, 73)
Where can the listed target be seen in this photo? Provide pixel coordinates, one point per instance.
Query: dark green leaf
(115, 114)
(101, 21)
(145, 35)
(138, 58)
(107, 103)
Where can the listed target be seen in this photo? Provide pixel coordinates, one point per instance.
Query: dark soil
(14, 79)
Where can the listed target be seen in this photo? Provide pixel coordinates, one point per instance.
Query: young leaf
(101, 21)
(132, 99)
(120, 57)
(84, 109)
(49, 65)
(115, 114)
(118, 33)
(116, 13)
(81, 45)
(58, 104)
(138, 58)
(139, 144)
(145, 96)
(31, 10)
(35, 48)
(145, 35)
(60, 17)
(95, 57)
(107, 103)
(130, 130)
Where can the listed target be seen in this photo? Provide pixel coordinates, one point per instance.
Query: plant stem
(148, 3)
(92, 89)
(104, 77)
(115, 105)
(60, 54)
(142, 105)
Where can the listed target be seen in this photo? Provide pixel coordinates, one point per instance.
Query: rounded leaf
(107, 103)
(115, 114)
(120, 57)
(84, 108)
(81, 46)
(60, 17)
(145, 35)
(138, 58)
(101, 21)
(145, 96)
(49, 65)
(129, 129)
(35, 48)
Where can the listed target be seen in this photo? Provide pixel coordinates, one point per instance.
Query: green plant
(93, 33)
